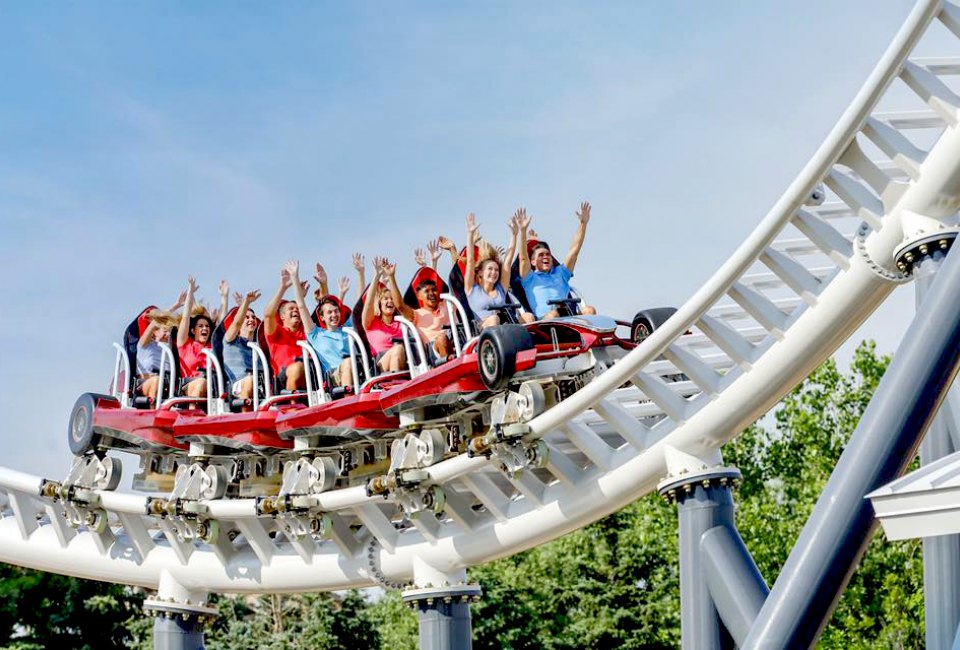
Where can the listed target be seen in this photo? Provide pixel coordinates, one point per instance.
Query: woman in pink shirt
(379, 310)
(193, 337)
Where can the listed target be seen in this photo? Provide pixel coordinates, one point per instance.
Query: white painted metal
(788, 297)
(924, 503)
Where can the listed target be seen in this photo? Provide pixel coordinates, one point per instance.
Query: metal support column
(180, 615)
(443, 605)
(941, 554)
(717, 604)
(886, 439)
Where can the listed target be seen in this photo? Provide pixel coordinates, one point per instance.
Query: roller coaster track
(800, 284)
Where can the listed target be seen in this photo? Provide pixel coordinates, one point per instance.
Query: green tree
(47, 610)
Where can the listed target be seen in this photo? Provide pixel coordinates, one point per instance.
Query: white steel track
(784, 301)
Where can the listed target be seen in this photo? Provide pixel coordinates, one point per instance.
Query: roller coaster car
(232, 424)
(124, 419)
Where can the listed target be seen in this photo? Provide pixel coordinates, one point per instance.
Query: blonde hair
(163, 319)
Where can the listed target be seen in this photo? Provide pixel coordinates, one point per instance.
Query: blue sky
(142, 142)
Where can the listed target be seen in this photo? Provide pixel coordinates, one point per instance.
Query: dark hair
(329, 300)
(196, 319)
(426, 283)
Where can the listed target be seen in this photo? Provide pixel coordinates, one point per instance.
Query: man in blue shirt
(329, 341)
(543, 280)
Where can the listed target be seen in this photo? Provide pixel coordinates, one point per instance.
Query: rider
(237, 355)
(378, 318)
(330, 342)
(542, 280)
(429, 319)
(193, 336)
(487, 282)
(283, 327)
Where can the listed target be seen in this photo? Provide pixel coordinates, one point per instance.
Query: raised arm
(470, 271)
(434, 248)
(390, 272)
(508, 257)
(147, 335)
(321, 277)
(446, 244)
(224, 302)
(369, 313)
(584, 216)
(270, 311)
(418, 257)
(234, 330)
(181, 300)
(344, 287)
(360, 265)
(183, 333)
(300, 294)
(523, 222)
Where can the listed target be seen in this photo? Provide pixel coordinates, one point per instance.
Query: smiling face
(290, 316)
(427, 294)
(489, 273)
(249, 324)
(330, 315)
(385, 302)
(201, 330)
(161, 334)
(541, 259)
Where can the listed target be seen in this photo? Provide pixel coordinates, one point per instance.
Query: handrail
(122, 358)
(453, 304)
(357, 347)
(410, 331)
(315, 395)
(216, 403)
(166, 356)
(260, 359)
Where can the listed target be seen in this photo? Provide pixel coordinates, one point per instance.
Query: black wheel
(647, 320)
(80, 433)
(497, 353)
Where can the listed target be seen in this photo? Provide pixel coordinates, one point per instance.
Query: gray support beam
(704, 502)
(180, 615)
(736, 586)
(886, 439)
(444, 614)
(941, 554)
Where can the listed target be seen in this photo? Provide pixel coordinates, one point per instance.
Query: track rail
(800, 284)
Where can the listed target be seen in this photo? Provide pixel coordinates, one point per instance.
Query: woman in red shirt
(193, 337)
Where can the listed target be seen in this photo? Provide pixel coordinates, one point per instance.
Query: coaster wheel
(647, 320)
(497, 353)
(80, 434)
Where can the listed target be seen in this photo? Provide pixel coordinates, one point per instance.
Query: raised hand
(419, 258)
(434, 248)
(523, 221)
(181, 301)
(584, 213)
(532, 234)
(285, 280)
(237, 298)
(358, 261)
(378, 263)
(513, 225)
(192, 286)
(472, 225)
(446, 244)
(502, 254)
(224, 289)
(320, 275)
(252, 296)
(387, 268)
(344, 286)
(292, 267)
